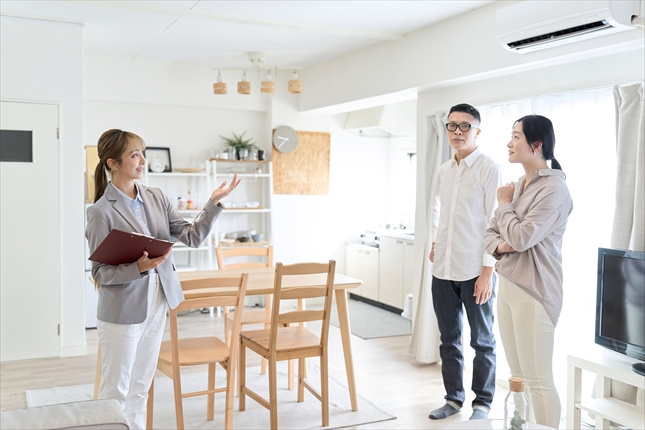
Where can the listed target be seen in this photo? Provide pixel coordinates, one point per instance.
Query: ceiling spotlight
(268, 85)
(219, 87)
(295, 85)
(244, 86)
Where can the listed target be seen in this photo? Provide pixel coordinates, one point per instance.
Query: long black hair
(537, 128)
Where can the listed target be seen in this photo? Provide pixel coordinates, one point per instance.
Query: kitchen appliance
(369, 238)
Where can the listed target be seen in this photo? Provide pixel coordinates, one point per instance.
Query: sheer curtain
(424, 343)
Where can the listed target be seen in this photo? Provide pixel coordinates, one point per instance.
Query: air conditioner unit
(528, 26)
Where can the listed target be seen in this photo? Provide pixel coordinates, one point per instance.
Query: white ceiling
(219, 34)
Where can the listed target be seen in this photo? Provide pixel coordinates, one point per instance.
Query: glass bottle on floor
(516, 406)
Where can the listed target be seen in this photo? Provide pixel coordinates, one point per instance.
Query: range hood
(384, 121)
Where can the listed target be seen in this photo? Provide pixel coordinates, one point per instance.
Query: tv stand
(607, 365)
(639, 368)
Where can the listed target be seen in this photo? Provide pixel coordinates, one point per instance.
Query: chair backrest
(211, 292)
(302, 281)
(227, 258)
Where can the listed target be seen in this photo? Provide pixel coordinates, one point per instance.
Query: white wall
(43, 61)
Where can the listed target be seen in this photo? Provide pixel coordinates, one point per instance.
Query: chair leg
(242, 378)
(301, 376)
(150, 405)
(273, 394)
(210, 397)
(227, 330)
(179, 406)
(290, 373)
(97, 374)
(324, 388)
(230, 391)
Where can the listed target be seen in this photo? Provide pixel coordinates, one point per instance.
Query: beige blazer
(123, 295)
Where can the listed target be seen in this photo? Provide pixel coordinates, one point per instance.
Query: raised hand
(223, 191)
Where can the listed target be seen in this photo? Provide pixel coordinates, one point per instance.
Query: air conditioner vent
(560, 34)
(527, 26)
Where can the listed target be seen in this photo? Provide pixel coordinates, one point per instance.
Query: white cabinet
(249, 206)
(362, 262)
(395, 270)
(197, 185)
(607, 365)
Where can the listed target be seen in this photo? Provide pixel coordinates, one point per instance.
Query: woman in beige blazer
(134, 297)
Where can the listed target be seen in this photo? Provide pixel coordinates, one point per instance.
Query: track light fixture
(266, 86)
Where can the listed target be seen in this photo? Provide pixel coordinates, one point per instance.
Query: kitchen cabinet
(195, 184)
(395, 270)
(362, 262)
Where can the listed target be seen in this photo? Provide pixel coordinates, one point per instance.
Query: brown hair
(112, 144)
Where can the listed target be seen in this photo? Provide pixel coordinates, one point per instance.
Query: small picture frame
(158, 159)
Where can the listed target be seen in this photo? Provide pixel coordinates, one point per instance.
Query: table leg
(345, 334)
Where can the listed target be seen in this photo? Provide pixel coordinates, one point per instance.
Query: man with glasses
(465, 198)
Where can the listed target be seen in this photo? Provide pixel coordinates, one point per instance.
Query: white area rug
(291, 414)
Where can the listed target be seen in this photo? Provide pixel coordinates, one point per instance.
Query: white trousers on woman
(129, 354)
(527, 334)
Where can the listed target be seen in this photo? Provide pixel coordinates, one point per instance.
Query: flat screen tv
(620, 303)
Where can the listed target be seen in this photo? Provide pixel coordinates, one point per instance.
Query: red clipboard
(121, 247)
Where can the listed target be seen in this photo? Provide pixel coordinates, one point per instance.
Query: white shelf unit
(607, 366)
(256, 186)
(177, 185)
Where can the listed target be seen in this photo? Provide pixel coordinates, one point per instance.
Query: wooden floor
(385, 374)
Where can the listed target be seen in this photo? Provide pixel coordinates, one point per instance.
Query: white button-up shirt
(465, 198)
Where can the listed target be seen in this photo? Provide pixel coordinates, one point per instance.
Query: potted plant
(241, 146)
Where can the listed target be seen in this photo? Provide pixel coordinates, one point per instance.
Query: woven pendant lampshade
(268, 86)
(219, 87)
(295, 85)
(244, 86)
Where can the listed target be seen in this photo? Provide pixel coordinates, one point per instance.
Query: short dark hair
(466, 108)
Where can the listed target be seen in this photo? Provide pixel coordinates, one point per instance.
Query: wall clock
(285, 139)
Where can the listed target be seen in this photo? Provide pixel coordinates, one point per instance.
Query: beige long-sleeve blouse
(533, 224)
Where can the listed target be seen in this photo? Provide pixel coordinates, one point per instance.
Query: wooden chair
(177, 353)
(224, 257)
(287, 337)
(229, 258)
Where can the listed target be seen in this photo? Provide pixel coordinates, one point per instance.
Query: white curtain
(424, 343)
(629, 214)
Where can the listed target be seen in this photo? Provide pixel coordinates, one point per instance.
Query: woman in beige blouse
(525, 236)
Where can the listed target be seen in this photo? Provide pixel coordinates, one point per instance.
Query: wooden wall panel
(306, 169)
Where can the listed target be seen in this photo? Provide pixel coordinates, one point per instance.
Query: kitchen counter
(398, 234)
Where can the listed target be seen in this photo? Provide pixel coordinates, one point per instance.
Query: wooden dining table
(260, 282)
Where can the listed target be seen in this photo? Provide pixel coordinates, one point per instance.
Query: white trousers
(129, 354)
(528, 335)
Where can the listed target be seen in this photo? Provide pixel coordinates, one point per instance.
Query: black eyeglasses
(451, 126)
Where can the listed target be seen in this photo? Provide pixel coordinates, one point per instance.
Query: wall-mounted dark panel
(16, 146)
